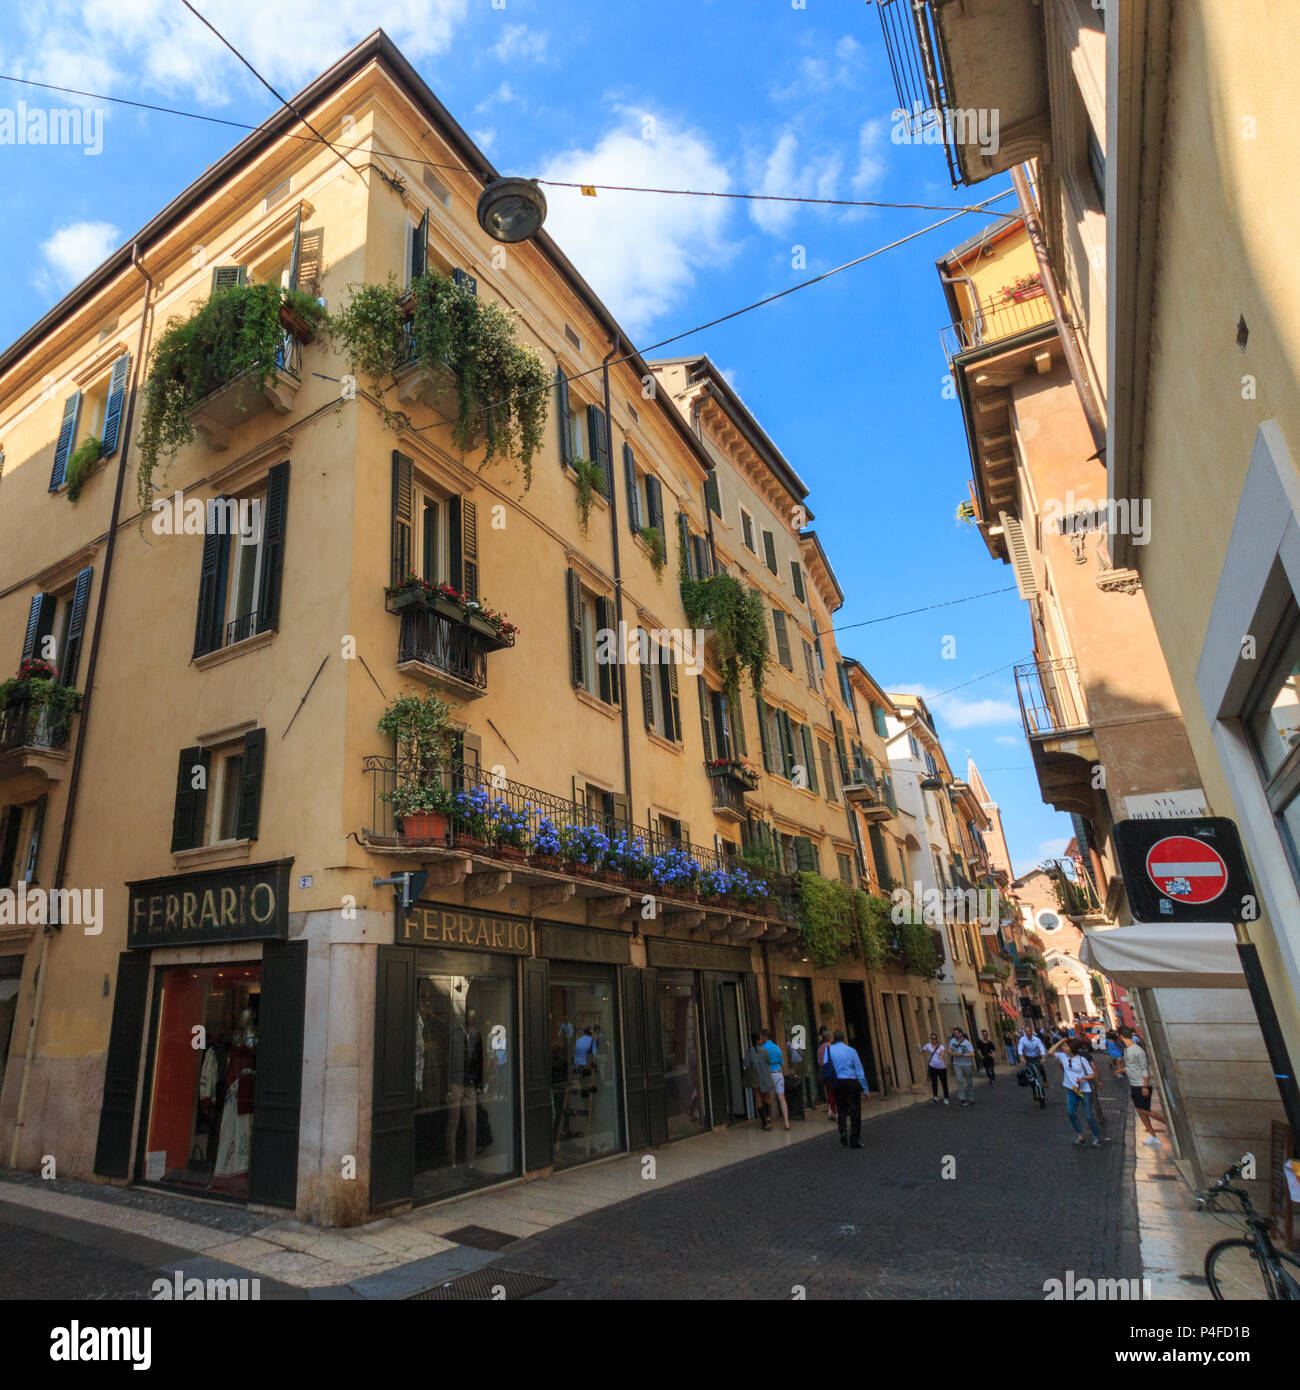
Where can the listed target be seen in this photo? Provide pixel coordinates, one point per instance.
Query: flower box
(510, 852)
(293, 322)
(425, 825)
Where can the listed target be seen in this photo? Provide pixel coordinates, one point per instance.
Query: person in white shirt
(938, 1055)
(1138, 1070)
(1077, 1078)
(962, 1051)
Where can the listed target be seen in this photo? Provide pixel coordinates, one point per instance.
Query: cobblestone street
(1023, 1206)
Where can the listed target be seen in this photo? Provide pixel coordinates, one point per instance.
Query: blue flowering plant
(627, 856)
(715, 883)
(546, 839)
(509, 827)
(674, 869)
(470, 812)
(746, 888)
(584, 844)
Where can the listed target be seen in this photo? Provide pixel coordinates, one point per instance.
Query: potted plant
(509, 828)
(547, 844)
(470, 817)
(411, 590)
(420, 726)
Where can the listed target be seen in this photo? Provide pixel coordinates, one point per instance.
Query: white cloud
(484, 139)
(502, 96)
(519, 42)
(158, 45)
(73, 252)
(1007, 741)
(640, 253)
(846, 48)
(962, 713)
(871, 160)
(1048, 849)
(786, 174)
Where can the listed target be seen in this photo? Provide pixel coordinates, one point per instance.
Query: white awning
(1150, 955)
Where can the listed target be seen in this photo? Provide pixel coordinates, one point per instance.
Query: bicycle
(1038, 1080)
(1250, 1268)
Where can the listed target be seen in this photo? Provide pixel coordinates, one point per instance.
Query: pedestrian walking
(756, 1065)
(776, 1069)
(987, 1050)
(1115, 1051)
(842, 1073)
(938, 1055)
(1138, 1070)
(1077, 1078)
(823, 1042)
(962, 1051)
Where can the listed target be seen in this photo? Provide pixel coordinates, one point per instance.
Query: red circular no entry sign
(1187, 870)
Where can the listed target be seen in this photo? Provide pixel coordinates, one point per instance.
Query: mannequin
(235, 1147)
(466, 1076)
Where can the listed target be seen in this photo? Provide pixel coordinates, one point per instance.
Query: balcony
(221, 412)
(444, 642)
(731, 780)
(554, 850)
(995, 320)
(35, 725)
(871, 792)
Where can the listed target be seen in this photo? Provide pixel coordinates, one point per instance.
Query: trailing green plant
(736, 616)
(654, 539)
(236, 330)
(420, 726)
(916, 948)
(965, 512)
(590, 476)
(80, 462)
(825, 918)
(502, 387)
(760, 860)
(39, 694)
(871, 915)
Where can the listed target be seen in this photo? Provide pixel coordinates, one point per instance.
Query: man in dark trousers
(850, 1085)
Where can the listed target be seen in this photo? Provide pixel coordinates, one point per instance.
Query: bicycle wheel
(1236, 1274)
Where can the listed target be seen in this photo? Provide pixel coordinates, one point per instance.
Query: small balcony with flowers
(464, 826)
(872, 792)
(731, 779)
(36, 714)
(445, 635)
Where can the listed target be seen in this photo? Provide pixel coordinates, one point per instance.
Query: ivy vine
(872, 917)
(738, 621)
(825, 918)
(654, 539)
(236, 330)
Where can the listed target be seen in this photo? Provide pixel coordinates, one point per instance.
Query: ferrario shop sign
(250, 903)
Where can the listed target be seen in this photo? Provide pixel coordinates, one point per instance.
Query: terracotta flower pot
(424, 825)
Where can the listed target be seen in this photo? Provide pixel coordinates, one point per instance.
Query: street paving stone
(1023, 1206)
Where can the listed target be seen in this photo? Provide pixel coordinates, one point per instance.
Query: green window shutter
(736, 725)
(67, 437)
(208, 632)
(647, 676)
(403, 517)
(782, 639)
(462, 529)
(274, 524)
(828, 773)
(113, 408)
(563, 415)
(573, 588)
(33, 845)
(769, 550)
(673, 708)
(608, 670)
(711, 494)
(705, 729)
(191, 801)
(40, 624)
(70, 657)
(228, 277)
(420, 247)
(622, 809)
(840, 750)
(250, 785)
(598, 435)
(654, 500)
(796, 576)
(763, 736)
(809, 757)
(803, 854)
(633, 497)
(785, 734)
(684, 536)
(703, 558)
(809, 669)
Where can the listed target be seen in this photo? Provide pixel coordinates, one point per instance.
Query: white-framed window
(1246, 680)
(225, 775)
(244, 572)
(589, 673)
(578, 431)
(430, 556)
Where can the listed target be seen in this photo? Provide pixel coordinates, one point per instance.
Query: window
(56, 626)
(769, 551)
(796, 578)
(809, 668)
(782, 639)
(219, 793)
(1097, 166)
(712, 497)
(828, 771)
(240, 574)
(846, 868)
(914, 746)
(659, 689)
(747, 531)
(593, 662)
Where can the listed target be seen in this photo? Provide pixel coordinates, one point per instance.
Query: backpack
(828, 1070)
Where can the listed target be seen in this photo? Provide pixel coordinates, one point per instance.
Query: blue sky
(846, 376)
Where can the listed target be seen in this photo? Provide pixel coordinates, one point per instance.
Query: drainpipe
(978, 320)
(74, 776)
(1064, 325)
(618, 582)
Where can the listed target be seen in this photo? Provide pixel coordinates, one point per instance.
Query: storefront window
(465, 1070)
(200, 1130)
(797, 1013)
(679, 1024)
(585, 1104)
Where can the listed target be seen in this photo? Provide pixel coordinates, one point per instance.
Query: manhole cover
(481, 1238)
(484, 1285)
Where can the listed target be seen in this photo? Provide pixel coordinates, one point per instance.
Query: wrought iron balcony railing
(995, 319)
(446, 644)
(1051, 698)
(918, 66)
(29, 721)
